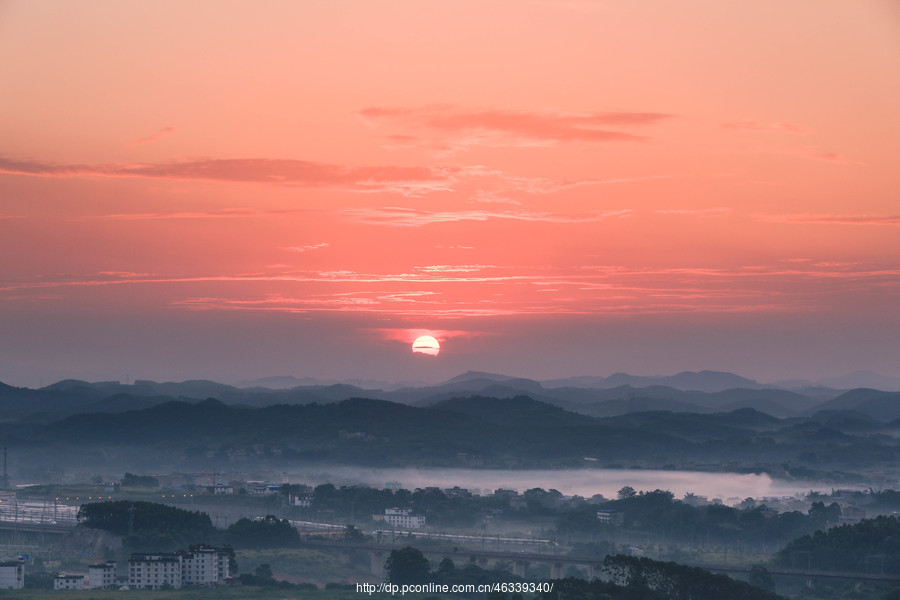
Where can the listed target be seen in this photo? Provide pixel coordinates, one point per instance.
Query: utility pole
(4, 484)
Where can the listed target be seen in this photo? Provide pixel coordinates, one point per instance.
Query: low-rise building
(402, 517)
(612, 517)
(68, 582)
(102, 576)
(301, 500)
(12, 574)
(853, 512)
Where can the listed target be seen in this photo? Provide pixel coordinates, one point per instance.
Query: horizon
(367, 383)
(548, 189)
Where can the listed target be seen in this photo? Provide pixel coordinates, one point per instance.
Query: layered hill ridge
(618, 394)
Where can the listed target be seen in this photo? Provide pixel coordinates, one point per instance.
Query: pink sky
(229, 190)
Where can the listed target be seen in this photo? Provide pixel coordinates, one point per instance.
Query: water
(582, 482)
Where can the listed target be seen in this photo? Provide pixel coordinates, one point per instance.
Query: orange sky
(231, 189)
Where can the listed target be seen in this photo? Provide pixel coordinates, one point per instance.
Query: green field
(221, 593)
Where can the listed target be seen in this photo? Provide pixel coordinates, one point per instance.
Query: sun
(426, 344)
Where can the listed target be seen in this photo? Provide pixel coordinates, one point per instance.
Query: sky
(229, 190)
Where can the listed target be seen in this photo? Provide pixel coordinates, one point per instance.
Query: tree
(263, 571)
(268, 532)
(352, 534)
(446, 566)
(627, 492)
(407, 566)
(148, 525)
(761, 578)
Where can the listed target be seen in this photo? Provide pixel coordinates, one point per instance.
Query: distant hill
(703, 381)
(519, 411)
(863, 379)
(519, 431)
(884, 406)
(472, 375)
(70, 397)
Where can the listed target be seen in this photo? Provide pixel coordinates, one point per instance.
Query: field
(237, 593)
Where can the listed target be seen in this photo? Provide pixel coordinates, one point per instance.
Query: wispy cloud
(165, 131)
(541, 185)
(765, 126)
(307, 248)
(453, 268)
(225, 213)
(511, 127)
(832, 157)
(409, 335)
(832, 219)
(125, 274)
(697, 212)
(286, 172)
(409, 217)
(478, 290)
(579, 6)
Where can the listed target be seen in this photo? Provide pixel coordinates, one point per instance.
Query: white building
(611, 517)
(12, 574)
(68, 582)
(154, 571)
(202, 567)
(401, 517)
(102, 576)
(206, 567)
(301, 500)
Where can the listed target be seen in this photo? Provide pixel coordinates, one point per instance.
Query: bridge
(379, 553)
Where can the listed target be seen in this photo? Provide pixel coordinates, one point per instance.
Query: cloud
(165, 131)
(540, 185)
(307, 248)
(410, 217)
(479, 290)
(579, 6)
(286, 172)
(698, 212)
(830, 219)
(768, 127)
(409, 335)
(521, 126)
(832, 157)
(225, 213)
(124, 274)
(452, 268)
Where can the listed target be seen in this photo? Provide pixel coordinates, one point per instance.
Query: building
(155, 571)
(611, 517)
(853, 512)
(301, 500)
(12, 574)
(68, 582)
(205, 567)
(401, 517)
(102, 576)
(261, 488)
(457, 492)
(202, 567)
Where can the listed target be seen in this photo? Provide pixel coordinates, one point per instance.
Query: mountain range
(618, 394)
